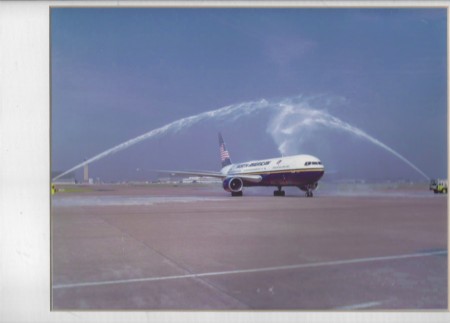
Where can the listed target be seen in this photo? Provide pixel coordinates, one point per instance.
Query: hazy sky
(119, 73)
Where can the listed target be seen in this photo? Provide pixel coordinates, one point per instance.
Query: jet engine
(233, 184)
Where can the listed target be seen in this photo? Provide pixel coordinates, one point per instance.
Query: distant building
(199, 179)
(86, 174)
(166, 180)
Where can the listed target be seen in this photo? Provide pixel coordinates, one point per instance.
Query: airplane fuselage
(299, 170)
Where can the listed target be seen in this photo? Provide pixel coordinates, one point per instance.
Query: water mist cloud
(297, 120)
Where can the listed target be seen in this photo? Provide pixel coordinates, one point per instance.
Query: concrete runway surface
(193, 247)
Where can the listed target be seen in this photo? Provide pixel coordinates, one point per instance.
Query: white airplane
(302, 171)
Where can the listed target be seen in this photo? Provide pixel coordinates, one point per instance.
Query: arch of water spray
(288, 116)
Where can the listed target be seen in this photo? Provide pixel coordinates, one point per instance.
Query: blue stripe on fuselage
(287, 178)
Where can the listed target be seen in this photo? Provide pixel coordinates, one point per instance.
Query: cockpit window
(312, 163)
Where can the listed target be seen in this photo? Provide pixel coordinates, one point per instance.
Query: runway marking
(359, 306)
(254, 270)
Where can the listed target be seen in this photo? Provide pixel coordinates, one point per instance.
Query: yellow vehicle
(438, 186)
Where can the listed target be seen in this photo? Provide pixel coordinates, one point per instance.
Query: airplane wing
(250, 178)
(193, 173)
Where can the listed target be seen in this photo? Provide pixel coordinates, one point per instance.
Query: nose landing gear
(309, 188)
(278, 192)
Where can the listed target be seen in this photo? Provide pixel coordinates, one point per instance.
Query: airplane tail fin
(224, 155)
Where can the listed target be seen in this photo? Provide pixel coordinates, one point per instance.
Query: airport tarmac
(193, 247)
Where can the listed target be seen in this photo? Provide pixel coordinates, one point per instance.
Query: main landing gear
(278, 192)
(309, 190)
(236, 193)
